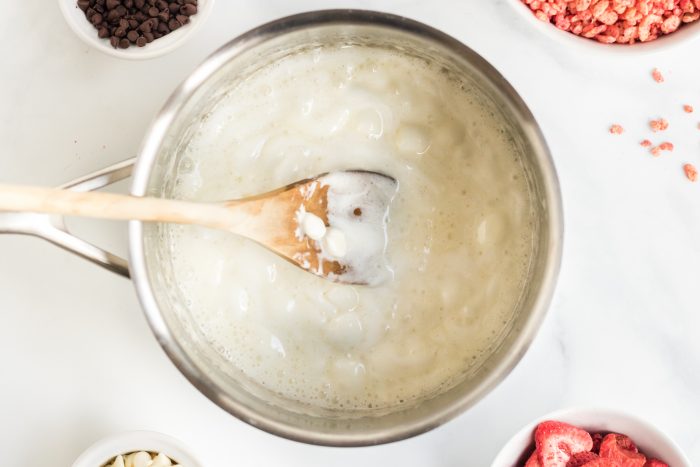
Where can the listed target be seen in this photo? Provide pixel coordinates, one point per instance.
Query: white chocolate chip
(141, 459)
(161, 460)
(118, 462)
(335, 243)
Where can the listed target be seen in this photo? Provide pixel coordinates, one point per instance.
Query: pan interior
(208, 362)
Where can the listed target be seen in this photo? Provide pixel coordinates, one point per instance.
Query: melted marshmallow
(458, 235)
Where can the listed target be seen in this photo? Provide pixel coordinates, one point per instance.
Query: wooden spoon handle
(112, 206)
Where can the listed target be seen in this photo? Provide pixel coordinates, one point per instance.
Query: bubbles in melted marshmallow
(458, 239)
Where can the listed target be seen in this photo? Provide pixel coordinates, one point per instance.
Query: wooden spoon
(352, 205)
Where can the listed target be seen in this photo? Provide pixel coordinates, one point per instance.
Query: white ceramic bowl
(75, 17)
(651, 441)
(108, 448)
(686, 33)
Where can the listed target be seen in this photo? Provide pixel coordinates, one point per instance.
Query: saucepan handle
(53, 228)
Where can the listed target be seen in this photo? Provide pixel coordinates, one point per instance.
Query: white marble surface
(79, 362)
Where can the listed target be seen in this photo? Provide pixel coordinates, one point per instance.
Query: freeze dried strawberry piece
(665, 146)
(616, 129)
(621, 450)
(645, 143)
(656, 74)
(613, 440)
(556, 442)
(581, 458)
(533, 461)
(602, 462)
(597, 439)
(688, 108)
(658, 125)
(655, 463)
(691, 172)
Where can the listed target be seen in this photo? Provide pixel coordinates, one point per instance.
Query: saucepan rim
(149, 151)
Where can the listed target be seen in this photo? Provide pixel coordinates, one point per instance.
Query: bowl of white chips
(137, 449)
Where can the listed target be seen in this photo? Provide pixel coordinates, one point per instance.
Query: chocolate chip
(141, 41)
(357, 212)
(112, 16)
(114, 41)
(96, 19)
(139, 3)
(132, 36)
(153, 12)
(149, 36)
(120, 32)
(103, 33)
(182, 19)
(188, 9)
(83, 4)
(173, 24)
(123, 24)
(123, 43)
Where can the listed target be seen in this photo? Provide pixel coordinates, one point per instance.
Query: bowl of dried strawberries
(623, 25)
(590, 437)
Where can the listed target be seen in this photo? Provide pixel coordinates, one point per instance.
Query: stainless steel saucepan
(153, 171)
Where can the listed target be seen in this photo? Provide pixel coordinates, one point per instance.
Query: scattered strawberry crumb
(688, 108)
(646, 143)
(616, 129)
(658, 125)
(691, 172)
(665, 146)
(658, 77)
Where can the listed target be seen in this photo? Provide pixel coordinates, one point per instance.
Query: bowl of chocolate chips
(135, 29)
